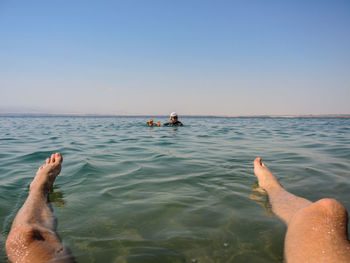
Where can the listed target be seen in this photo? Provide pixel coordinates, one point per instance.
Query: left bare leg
(33, 235)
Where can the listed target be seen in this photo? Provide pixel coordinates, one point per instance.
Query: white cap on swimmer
(173, 114)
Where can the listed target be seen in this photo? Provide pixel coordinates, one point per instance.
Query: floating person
(316, 232)
(33, 236)
(173, 121)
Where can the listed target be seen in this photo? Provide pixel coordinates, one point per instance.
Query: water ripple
(138, 194)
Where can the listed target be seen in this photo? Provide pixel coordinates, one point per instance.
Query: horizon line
(185, 115)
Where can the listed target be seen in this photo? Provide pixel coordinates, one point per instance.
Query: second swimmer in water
(173, 121)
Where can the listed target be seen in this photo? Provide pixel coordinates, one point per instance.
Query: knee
(18, 239)
(330, 206)
(20, 233)
(324, 214)
(327, 208)
(30, 241)
(24, 235)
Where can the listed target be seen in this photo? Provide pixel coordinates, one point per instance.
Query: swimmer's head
(173, 116)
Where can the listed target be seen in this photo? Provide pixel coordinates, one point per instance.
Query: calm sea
(129, 193)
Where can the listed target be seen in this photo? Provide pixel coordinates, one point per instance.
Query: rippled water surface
(131, 193)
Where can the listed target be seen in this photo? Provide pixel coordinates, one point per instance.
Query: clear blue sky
(193, 57)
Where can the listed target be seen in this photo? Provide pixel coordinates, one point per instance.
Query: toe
(52, 158)
(47, 160)
(257, 162)
(58, 157)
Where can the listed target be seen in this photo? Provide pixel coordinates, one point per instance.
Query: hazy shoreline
(199, 116)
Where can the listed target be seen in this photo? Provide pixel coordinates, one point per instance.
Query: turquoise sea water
(131, 193)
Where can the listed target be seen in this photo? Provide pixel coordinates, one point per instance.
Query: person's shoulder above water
(176, 123)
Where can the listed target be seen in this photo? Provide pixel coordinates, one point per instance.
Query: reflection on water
(131, 193)
(260, 196)
(57, 197)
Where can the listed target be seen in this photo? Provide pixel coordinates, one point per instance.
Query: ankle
(273, 186)
(38, 190)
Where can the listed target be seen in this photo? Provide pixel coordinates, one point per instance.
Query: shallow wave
(131, 193)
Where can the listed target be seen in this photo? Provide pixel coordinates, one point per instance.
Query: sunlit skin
(33, 236)
(317, 232)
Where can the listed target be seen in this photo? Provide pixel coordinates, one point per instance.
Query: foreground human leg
(32, 237)
(317, 232)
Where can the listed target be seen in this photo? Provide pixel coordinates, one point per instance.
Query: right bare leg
(317, 232)
(284, 204)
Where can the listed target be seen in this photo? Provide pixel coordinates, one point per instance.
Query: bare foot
(266, 179)
(46, 174)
